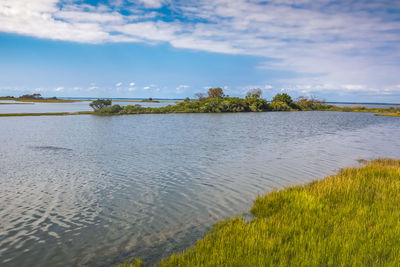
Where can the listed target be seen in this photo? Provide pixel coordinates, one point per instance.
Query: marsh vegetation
(348, 219)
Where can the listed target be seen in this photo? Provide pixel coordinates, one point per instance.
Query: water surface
(90, 190)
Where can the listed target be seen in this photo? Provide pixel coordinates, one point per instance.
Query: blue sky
(336, 50)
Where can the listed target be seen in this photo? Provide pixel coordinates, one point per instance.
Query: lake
(91, 190)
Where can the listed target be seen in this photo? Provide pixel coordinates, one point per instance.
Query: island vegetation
(216, 101)
(150, 100)
(348, 219)
(38, 98)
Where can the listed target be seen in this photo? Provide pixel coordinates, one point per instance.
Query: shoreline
(327, 220)
(46, 114)
(388, 113)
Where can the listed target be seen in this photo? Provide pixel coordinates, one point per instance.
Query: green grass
(46, 114)
(348, 219)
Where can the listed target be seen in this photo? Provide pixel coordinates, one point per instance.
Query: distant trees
(254, 93)
(216, 93)
(100, 103)
(200, 96)
(216, 102)
(284, 98)
(310, 103)
(32, 96)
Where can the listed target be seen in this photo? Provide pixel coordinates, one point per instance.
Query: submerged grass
(46, 114)
(348, 219)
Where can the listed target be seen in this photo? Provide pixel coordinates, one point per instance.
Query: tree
(100, 103)
(199, 96)
(33, 96)
(285, 98)
(254, 93)
(215, 93)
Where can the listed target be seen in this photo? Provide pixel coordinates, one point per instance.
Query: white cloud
(267, 86)
(59, 89)
(91, 88)
(181, 88)
(146, 88)
(118, 84)
(356, 87)
(334, 43)
(151, 3)
(132, 84)
(131, 89)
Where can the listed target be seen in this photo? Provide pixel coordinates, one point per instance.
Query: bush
(100, 103)
(279, 106)
(110, 109)
(216, 93)
(285, 98)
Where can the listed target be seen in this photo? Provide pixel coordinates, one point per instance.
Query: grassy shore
(388, 114)
(348, 219)
(46, 114)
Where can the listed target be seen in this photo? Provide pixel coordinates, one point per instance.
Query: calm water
(38, 107)
(88, 190)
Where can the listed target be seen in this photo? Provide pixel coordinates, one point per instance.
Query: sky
(341, 50)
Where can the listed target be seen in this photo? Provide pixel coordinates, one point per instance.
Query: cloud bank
(328, 45)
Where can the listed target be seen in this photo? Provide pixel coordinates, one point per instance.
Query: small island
(217, 102)
(38, 98)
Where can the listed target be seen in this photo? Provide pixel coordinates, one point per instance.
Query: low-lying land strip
(348, 219)
(46, 114)
(389, 114)
(42, 100)
(215, 102)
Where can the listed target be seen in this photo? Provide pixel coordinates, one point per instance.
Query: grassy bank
(46, 114)
(348, 219)
(388, 114)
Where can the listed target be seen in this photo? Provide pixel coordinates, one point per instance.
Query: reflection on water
(89, 190)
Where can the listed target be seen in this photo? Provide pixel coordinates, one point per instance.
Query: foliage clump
(217, 102)
(100, 104)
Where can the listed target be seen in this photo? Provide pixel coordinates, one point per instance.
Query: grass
(388, 114)
(46, 114)
(348, 219)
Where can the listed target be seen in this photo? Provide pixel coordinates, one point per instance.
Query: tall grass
(348, 219)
